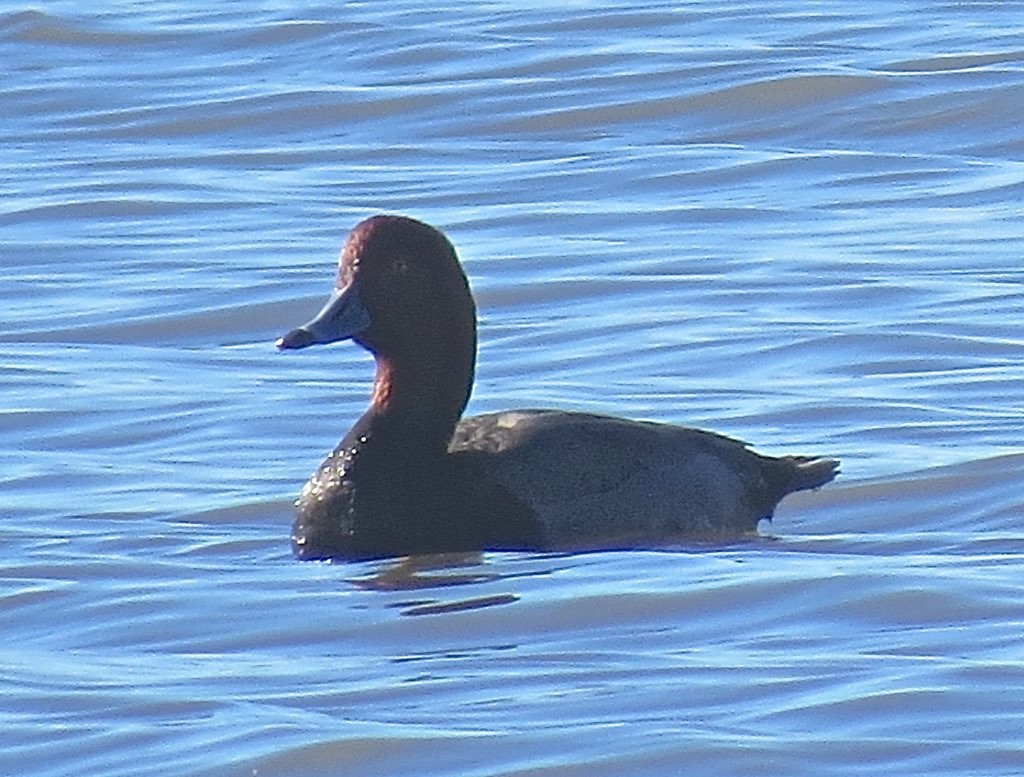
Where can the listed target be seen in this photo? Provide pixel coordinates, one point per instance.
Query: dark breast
(371, 499)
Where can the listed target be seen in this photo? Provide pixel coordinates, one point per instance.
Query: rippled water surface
(795, 223)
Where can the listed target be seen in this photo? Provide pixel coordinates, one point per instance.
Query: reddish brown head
(401, 294)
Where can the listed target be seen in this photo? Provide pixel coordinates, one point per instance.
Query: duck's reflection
(431, 572)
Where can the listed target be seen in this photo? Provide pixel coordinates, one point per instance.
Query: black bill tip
(297, 338)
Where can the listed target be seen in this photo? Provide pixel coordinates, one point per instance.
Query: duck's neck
(421, 396)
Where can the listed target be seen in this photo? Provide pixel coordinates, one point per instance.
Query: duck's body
(595, 481)
(411, 478)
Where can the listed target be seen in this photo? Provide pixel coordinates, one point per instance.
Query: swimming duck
(410, 477)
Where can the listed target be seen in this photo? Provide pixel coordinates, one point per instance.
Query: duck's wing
(600, 481)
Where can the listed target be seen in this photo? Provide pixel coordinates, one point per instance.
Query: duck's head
(401, 293)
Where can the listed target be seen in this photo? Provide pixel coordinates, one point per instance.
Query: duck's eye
(401, 267)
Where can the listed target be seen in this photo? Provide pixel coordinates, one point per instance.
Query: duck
(413, 477)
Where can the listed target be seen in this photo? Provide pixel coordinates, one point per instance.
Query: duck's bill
(343, 316)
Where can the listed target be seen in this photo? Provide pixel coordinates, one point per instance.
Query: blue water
(798, 224)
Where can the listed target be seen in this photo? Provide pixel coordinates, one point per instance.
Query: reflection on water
(427, 573)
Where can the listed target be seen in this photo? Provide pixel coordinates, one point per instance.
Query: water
(794, 223)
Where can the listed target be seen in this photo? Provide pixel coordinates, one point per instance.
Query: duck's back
(596, 481)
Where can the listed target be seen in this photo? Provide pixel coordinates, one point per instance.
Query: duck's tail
(810, 472)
